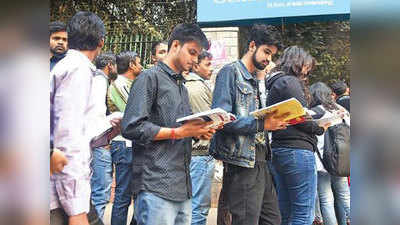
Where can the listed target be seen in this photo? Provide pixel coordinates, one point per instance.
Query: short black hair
(155, 45)
(85, 31)
(203, 55)
(186, 33)
(339, 87)
(56, 26)
(104, 59)
(123, 60)
(263, 34)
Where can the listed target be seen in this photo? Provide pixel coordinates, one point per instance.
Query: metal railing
(141, 44)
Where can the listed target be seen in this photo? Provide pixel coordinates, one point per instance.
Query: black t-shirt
(344, 101)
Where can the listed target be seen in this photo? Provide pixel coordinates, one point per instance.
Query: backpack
(336, 156)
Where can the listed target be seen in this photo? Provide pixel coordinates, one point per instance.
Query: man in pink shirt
(70, 107)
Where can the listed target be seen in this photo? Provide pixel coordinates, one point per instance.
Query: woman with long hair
(293, 149)
(331, 189)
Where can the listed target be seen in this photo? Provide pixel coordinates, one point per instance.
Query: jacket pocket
(244, 97)
(223, 146)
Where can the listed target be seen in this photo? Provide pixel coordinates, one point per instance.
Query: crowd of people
(271, 172)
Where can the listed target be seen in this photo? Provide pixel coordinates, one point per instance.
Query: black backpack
(336, 156)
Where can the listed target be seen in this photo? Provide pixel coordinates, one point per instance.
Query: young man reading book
(161, 146)
(243, 144)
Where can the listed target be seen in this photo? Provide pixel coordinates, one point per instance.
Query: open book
(105, 131)
(335, 119)
(101, 139)
(297, 114)
(217, 115)
(104, 138)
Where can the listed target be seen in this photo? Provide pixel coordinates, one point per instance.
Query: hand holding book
(195, 128)
(217, 117)
(273, 121)
(291, 111)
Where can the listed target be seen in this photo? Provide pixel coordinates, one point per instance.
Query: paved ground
(212, 216)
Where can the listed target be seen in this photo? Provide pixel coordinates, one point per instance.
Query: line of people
(166, 168)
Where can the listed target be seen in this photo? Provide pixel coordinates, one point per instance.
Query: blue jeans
(295, 175)
(153, 210)
(318, 215)
(201, 172)
(101, 179)
(333, 189)
(122, 158)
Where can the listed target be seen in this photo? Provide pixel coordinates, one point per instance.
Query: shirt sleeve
(224, 97)
(71, 105)
(98, 120)
(135, 122)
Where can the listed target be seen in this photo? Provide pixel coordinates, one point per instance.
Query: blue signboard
(214, 11)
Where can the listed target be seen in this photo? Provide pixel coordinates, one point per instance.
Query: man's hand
(116, 118)
(57, 161)
(115, 132)
(116, 122)
(211, 132)
(195, 128)
(80, 219)
(208, 136)
(274, 122)
(326, 126)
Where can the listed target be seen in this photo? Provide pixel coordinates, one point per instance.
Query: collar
(194, 77)
(122, 78)
(247, 75)
(57, 57)
(170, 72)
(84, 58)
(101, 73)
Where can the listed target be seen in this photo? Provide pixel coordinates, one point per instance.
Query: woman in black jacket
(293, 149)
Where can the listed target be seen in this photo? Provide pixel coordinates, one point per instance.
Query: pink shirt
(72, 106)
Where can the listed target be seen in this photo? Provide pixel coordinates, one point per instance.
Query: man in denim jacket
(243, 144)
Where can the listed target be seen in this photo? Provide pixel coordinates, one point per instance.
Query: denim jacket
(236, 92)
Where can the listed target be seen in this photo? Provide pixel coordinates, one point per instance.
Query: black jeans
(250, 194)
(59, 217)
(224, 217)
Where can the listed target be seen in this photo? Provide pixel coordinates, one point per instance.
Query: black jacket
(301, 136)
(344, 101)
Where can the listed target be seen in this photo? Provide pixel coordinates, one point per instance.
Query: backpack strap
(320, 158)
(119, 92)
